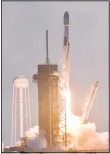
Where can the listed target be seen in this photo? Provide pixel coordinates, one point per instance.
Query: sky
(24, 27)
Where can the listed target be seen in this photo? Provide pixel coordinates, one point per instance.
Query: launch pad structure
(49, 108)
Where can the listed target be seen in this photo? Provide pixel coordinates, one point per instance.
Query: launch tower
(48, 108)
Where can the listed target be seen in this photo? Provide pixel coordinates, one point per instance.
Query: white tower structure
(21, 115)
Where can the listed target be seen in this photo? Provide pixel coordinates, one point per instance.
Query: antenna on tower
(47, 56)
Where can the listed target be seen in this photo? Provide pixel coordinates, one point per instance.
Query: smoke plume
(36, 140)
(83, 137)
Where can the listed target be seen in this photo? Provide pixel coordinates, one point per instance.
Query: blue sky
(24, 26)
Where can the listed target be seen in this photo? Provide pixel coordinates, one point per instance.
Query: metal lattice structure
(50, 108)
(48, 91)
(54, 108)
(62, 120)
(58, 114)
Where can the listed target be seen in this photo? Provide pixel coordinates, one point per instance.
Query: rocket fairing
(66, 18)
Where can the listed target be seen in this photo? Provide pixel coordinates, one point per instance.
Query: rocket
(65, 61)
(66, 28)
(66, 73)
(66, 33)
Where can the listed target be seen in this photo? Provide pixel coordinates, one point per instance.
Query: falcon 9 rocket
(66, 73)
(66, 28)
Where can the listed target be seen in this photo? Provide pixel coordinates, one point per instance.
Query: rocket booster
(66, 49)
(66, 28)
(66, 33)
(65, 60)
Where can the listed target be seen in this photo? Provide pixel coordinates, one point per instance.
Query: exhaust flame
(81, 136)
(73, 121)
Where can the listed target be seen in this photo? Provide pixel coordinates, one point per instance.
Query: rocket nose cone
(66, 18)
(66, 14)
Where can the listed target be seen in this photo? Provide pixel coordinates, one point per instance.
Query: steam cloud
(36, 140)
(83, 137)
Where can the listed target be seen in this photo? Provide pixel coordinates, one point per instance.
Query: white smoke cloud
(3, 146)
(85, 137)
(32, 132)
(36, 139)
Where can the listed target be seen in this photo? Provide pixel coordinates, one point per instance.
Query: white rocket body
(66, 72)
